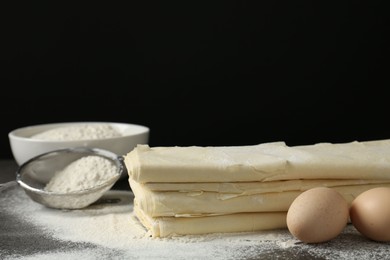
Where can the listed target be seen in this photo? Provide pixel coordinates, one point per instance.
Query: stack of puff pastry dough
(200, 190)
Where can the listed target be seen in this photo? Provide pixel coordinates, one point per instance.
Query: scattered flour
(84, 173)
(110, 231)
(78, 132)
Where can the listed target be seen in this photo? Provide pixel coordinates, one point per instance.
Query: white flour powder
(84, 173)
(110, 231)
(78, 132)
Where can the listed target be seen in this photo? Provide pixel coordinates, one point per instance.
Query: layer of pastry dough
(234, 189)
(263, 162)
(179, 204)
(239, 222)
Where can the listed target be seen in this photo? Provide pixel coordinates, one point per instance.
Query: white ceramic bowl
(24, 147)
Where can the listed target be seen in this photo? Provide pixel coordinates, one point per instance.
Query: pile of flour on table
(78, 132)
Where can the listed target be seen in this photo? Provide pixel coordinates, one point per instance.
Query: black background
(213, 73)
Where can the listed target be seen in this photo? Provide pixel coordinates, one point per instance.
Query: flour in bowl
(84, 173)
(78, 132)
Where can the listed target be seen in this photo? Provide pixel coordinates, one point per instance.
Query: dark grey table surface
(8, 169)
(23, 239)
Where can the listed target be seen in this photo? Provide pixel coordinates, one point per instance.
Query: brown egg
(370, 213)
(317, 215)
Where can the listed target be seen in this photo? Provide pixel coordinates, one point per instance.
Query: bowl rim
(97, 151)
(15, 134)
